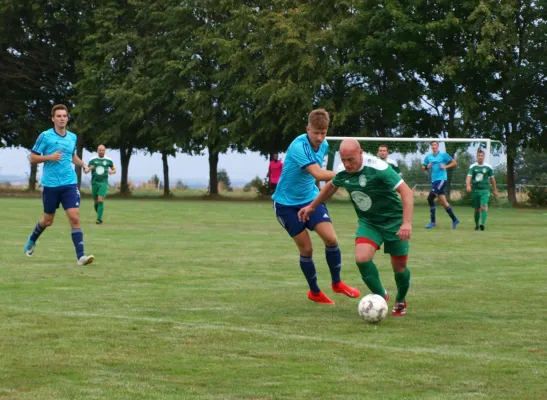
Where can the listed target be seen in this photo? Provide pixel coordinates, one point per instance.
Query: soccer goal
(409, 154)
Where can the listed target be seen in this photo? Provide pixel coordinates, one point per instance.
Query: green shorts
(480, 198)
(384, 232)
(99, 189)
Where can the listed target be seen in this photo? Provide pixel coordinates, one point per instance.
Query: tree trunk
(32, 177)
(79, 153)
(166, 191)
(511, 187)
(213, 167)
(125, 156)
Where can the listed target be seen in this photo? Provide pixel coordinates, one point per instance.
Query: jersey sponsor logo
(479, 177)
(362, 181)
(362, 200)
(484, 170)
(100, 170)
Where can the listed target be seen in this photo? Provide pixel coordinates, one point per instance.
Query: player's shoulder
(373, 162)
(392, 162)
(488, 166)
(298, 141)
(72, 135)
(473, 165)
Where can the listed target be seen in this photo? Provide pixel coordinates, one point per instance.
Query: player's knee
(431, 199)
(477, 209)
(74, 221)
(363, 258)
(399, 263)
(47, 220)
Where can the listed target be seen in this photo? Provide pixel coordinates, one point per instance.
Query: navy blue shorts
(438, 187)
(68, 196)
(288, 217)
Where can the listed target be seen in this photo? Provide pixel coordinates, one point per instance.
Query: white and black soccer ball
(372, 308)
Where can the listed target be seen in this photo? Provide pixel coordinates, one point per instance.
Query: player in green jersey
(383, 153)
(384, 217)
(478, 181)
(101, 166)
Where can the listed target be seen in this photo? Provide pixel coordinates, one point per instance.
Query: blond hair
(319, 119)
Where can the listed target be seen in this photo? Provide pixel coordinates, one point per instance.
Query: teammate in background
(274, 172)
(480, 174)
(438, 163)
(383, 216)
(383, 153)
(297, 187)
(101, 166)
(56, 148)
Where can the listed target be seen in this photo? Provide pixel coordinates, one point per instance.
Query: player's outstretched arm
(328, 190)
(407, 198)
(320, 174)
(468, 183)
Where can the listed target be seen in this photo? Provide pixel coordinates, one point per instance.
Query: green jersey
(480, 176)
(372, 190)
(99, 173)
(393, 164)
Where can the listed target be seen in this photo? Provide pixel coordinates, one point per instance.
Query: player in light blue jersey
(298, 187)
(56, 148)
(437, 163)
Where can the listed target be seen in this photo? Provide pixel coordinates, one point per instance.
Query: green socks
(484, 214)
(402, 279)
(100, 209)
(95, 206)
(477, 215)
(371, 277)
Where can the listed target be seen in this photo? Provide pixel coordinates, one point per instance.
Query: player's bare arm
(426, 167)
(328, 190)
(320, 174)
(407, 199)
(112, 170)
(37, 158)
(494, 186)
(77, 161)
(451, 164)
(468, 183)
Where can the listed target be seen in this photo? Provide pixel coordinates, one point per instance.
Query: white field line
(288, 336)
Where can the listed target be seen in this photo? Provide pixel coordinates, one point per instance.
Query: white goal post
(487, 142)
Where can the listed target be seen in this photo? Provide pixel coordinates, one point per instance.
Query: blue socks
(432, 213)
(450, 213)
(36, 232)
(308, 268)
(334, 260)
(78, 240)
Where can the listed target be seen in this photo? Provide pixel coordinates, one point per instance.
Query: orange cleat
(341, 287)
(319, 298)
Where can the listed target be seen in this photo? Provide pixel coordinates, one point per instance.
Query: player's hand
(304, 213)
(442, 166)
(496, 193)
(110, 172)
(86, 169)
(405, 231)
(468, 188)
(56, 156)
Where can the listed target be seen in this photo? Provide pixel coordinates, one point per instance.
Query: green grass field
(205, 300)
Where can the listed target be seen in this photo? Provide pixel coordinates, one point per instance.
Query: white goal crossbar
(487, 142)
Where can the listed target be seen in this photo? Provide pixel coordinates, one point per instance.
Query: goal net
(409, 154)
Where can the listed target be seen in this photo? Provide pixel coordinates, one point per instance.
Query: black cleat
(482, 227)
(99, 222)
(476, 228)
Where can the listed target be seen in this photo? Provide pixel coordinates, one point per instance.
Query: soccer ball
(372, 308)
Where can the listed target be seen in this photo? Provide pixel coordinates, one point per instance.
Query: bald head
(351, 155)
(101, 150)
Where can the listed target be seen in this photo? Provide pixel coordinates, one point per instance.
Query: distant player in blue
(298, 187)
(437, 163)
(56, 148)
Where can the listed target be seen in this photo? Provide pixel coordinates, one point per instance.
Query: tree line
(172, 76)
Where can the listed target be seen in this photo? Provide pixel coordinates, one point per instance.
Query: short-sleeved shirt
(437, 173)
(393, 164)
(99, 173)
(57, 173)
(372, 190)
(480, 176)
(296, 185)
(275, 169)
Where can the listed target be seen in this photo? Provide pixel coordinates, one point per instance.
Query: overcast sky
(239, 166)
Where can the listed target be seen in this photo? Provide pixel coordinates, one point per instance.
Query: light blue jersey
(437, 173)
(57, 173)
(296, 185)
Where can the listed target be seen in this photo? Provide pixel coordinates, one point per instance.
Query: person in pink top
(274, 172)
